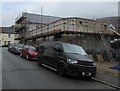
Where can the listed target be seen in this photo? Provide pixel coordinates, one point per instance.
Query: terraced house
(7, 36)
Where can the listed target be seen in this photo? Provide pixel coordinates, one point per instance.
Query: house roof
(0, 29)
(8, 30)
(36, 18)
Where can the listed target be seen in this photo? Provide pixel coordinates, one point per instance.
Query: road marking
(108, 84)
(49, 67)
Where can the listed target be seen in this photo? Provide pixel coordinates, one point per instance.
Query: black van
(66, 59)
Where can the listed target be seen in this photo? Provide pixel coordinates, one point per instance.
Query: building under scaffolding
(92, 35)
(27, 22)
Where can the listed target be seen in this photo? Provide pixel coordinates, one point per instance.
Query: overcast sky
(10, 10)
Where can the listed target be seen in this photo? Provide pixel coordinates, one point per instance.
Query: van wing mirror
(41, 49)
(58, 50)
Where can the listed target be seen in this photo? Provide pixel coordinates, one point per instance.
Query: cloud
(0, 15)
(60, 0)
(10, 10)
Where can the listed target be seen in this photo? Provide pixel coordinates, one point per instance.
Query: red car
(29, 52)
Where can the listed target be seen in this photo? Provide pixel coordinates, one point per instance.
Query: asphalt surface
(19, 73)
(0, 68)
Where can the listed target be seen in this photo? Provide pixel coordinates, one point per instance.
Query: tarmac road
(19, 73)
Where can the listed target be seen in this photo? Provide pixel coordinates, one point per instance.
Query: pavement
(0, 68)
(111, 79)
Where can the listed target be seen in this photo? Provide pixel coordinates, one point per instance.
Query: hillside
(115, 21)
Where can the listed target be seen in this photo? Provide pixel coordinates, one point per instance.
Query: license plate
(86, 73)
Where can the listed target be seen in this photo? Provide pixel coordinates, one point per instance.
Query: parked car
(17, 48)
(29, 52)
(10, 46)
(66, 59)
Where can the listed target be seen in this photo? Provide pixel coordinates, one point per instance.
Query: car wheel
(14, 52)
(61, 69)
(11, 51)
(27, 57)
(39, 62)
(21, 55)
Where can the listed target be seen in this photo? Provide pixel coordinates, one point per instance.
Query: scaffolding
(84, 32)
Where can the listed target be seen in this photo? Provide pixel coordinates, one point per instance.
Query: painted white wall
(5, 37)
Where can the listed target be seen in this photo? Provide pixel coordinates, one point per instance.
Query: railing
(19, 26)
(69, 25)
(19, 36)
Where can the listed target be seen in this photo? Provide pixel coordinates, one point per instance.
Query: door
(57, 54)
(47, 56)
(25, 49)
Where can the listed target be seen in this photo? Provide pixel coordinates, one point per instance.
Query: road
(0, 68)
(19, 73)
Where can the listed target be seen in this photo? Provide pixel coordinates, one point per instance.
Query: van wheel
(61, 69)
(88, 77)
(14, 52)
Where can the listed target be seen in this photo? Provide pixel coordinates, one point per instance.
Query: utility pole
(41, 18)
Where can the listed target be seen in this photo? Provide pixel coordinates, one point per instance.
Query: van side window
(58, 46)
(41, 48)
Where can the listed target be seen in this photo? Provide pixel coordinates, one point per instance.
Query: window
(8, 42)
(5, 42)
(32, 48)
(9, 35)
(80, 22)
(75, 49)
(26, 46)
(105, 26)
(58, 46)
(41, 48)
(20, 45)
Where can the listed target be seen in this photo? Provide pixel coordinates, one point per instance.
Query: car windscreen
(71, 48)
(32, 48)
(20, 45)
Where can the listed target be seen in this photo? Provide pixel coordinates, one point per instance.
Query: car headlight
(94, 64)
(71, 61)
(30, 53)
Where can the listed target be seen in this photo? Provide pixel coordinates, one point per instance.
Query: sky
(11, 9)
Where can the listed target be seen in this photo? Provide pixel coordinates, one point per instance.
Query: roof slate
(8, 30)
(36, 18)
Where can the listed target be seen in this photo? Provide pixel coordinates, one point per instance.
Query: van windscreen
(71, 48)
